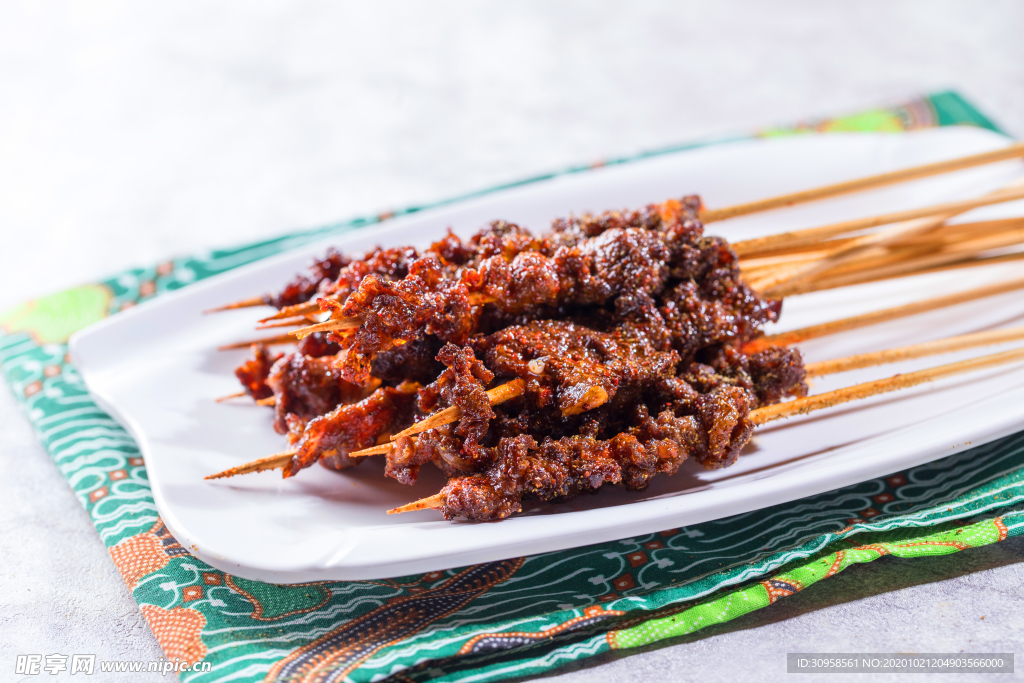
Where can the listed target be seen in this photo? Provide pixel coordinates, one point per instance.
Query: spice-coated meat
(575, 368)
(317, 345)
(306, 387)
(387, 264)
(625, 328)
(557, 470)
(305, 285)
(777, 372)
(415, 361)
(462, 384)
(649, 265)
(254, 371)
(351, 427)
(395, 313)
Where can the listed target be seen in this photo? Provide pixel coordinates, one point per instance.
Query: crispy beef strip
(306, 387)
(351, 427)
(574, 368)
(653, 266)
(388, 264)
(317, 345)
(558, 470)
(777, 372)
(253, 372)
(462, 384)
(396, 313)
(305, 285)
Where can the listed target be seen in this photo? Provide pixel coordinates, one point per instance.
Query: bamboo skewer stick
(869, 182)
(871, 243)
(268, 401)
(812, 235)
(785, 253)
(944, 248)
(499, 394)
(896, 263)
(1004, 231)
(802, 406)
(271, 462)
(949, 345)
(435, 502)
(335, 325)
(287, 322)
(752, 267)
(379, 449)
(958, 232)
(303, 309)
(829, 399)
(875, 317)
(268, 341)
(919, 267)
(238, 394)
(842, 255)
(910, 257)
(781, 259)
(930, 263)
(244, 303)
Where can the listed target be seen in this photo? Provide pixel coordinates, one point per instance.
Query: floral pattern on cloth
(513, 618)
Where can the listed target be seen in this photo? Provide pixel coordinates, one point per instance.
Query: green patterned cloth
(517, 617)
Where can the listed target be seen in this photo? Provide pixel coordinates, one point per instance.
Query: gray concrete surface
(131, 131)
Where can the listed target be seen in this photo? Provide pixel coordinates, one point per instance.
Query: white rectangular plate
(156, 370)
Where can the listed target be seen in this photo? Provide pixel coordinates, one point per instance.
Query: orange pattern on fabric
(178, 631)
(138, 556)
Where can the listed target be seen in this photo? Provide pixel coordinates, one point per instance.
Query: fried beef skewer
(514, 388)
(300, 289)
(556, 365)
(556, 277)
(304, 287)
(821, 368)
(558, 470)
(846, 324)
(625, 271)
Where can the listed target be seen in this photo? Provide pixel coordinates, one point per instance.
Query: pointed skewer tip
(435, 502)
(271, 462)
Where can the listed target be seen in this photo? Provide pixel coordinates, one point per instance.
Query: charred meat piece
(395, 313)
(317, 345)
(305, 285)
(253, 372)
(574, 368)
(463, 385)
(557, 470)
(352, 427)
(306, 387)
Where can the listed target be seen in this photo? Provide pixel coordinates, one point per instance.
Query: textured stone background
(133, 131)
